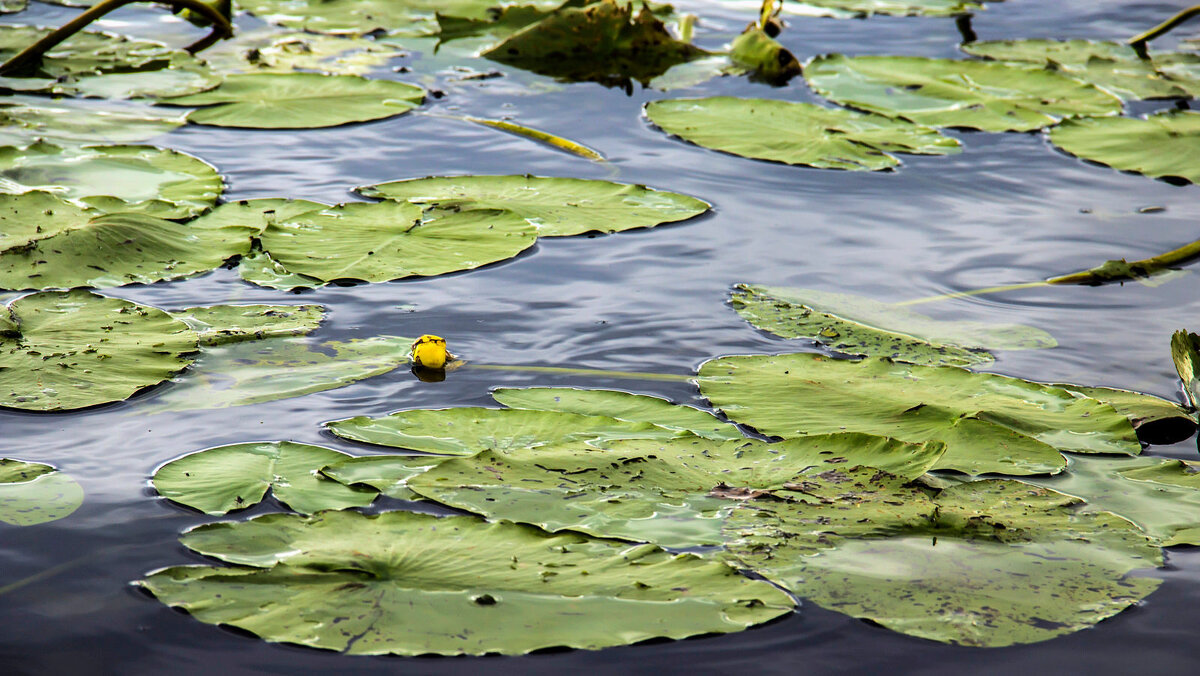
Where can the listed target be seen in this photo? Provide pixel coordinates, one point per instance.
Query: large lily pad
(1185, 352)
(85, 247)
(990, 423)
(861, 326)
(298, 101)
(74, 349)
(270, 51)
(950, 93)
(796, 133)
(410, 584)
(381, 241)
(559, 207)
(1164, 145)
(24, 119)
(358, 17)
(469, 430)
(997, 563)
(129, 179)
(33, 493)
(1157, 420)
(221, 479)
(674, 493)
(220, 324)
(1114, 66)
(620, 405)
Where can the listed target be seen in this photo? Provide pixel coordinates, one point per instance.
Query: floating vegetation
(25, 119)
(222, 324)
(33, 493)
(1162, 145)
(270, 51)
(1185, 351)
(796, 133)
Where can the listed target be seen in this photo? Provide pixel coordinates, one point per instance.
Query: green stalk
(1138, 42)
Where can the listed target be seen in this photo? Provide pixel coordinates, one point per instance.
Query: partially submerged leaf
(861, 326)
(1185, 352)
(796, 133)
(359, 17)
(33, 493)
(270, 51)
(952, 93)
(298, 101)
(257, 267)
(219, 480)
(129, 179)
(220, 324)
(1156, 420)
(1164, 145)
(559, 207)
(760, 54)
(412, 584)
(24, 119)
(76, 349)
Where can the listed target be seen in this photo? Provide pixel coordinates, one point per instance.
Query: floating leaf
(269, 51)
(33, 493)
(1185, 352)
(359, 17)
(861, 326)
(1156, 420)
(388, 474)
(221, 479)
(619, 405)
(10, 6)
(24, 119)
(997, 563)
(603, 42)
(298, 101)
(990, 423)
(220, 324)
(129, 179)
(469, 430)
(32, 216)
(1164, 145)
(674, 493)
(1114, 66)
(253, 372)
(257, 214)
(381, 241)
(76, 348)
(951, 93)
(796, 133)
(860, 8)
(257, 267)
(411, 584)
(559, 207)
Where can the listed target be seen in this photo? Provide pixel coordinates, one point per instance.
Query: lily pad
(951, 93)
(76, 348)
(388, 474)
(221, 479)
(674, 493)
(1185, 352)
(998, 563)
(24, 119)
(381, 241)
(129, 179)
(78, 247)
(33, 493)
(269, 51)
(221, 324)
(298, 101)
(411, 584)
(359, 17)
(861, 326)
(469, 430)
(1163, 145)
(253, 372)
(257, 267)
(1157, 420)
(862, 8)
(619, 405)
(257, 214)
(559, 207)
(990, 423)
(796, 133)
(1114, 66)
(10, 6)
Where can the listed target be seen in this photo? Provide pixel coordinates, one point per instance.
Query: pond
(1008, 208)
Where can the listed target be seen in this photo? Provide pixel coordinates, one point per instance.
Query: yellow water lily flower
(430, 352)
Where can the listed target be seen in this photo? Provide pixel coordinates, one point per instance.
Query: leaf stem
(973, 292)
(1138, 42)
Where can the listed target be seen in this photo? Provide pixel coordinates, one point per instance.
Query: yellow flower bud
(430, 352)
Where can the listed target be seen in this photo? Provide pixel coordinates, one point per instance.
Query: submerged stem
(973, 292)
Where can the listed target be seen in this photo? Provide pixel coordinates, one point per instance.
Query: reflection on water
(1008, 209)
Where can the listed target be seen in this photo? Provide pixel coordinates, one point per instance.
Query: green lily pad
(11, 6)
(221, 324)
(269, 51)
(990, 423)
(257, 214)
(78, 247)
(997, 563)
(861, 326)
(221, 479)
(388, 474)
(75, 349)
(381, 241)
(411, 584)
(1185, 352)
(951, 93)
(298, 101)
(674, 493)
(469, 430)
(257, 267)
(619, 405)
(358, 17)
(861, 8)
(33, 493)
(253, 372)
(1163, 145)
(1161, 496)
(1156, 420)
(603, 42)
(129, 179)
(796, 133)
(1114, 66)
(25, 119)
(559, 207)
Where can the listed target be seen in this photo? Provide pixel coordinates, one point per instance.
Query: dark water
(1009, 208)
